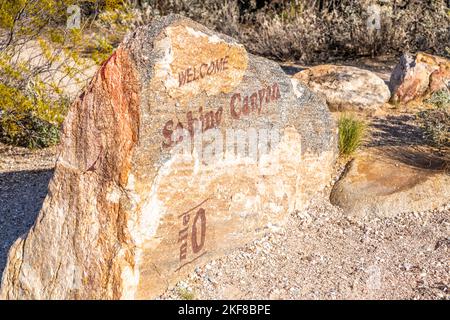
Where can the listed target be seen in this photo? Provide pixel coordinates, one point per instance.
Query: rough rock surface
(128, 213)
(417, 77)
(346, 88)
(374, 184)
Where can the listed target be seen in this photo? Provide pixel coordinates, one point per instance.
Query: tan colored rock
(144, 190)
(375, 185)
(346, 88)
(416, 77)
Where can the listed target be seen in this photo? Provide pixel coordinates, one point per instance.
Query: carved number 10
(197, 246)
(198, 241)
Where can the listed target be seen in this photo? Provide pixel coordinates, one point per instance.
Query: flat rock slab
(374, 185)
(182, 148)
(346, 88)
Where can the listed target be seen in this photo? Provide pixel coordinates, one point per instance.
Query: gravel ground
(320, 253)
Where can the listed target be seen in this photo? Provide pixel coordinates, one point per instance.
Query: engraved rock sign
(182, 148)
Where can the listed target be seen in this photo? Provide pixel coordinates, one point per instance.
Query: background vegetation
(43, 63)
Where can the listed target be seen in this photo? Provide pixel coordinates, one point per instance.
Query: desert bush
(351, 134)
(436, 125)
(40, 58)
(435, 122)
(29, 120)
(27, 130)
(440, 99)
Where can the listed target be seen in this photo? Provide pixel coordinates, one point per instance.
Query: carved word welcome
(200, 71)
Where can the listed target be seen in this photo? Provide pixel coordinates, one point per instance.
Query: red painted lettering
(225, 63)
(182, 78)
(167, 133)
(189, 75)
(245, 108)
(234, 113)
(218, 116)
(203, 73)
(261, 94)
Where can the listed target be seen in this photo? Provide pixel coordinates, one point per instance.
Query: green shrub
(40, 60)
(30, 118)
(436, 126)
(351, 134)
(440, 99)
(29, 131)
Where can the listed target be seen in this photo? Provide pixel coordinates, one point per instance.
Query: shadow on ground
(396, 130)
(401, 139)
(291, 69)
(21, 196)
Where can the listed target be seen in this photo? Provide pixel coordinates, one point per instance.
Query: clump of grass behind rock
(351, 134)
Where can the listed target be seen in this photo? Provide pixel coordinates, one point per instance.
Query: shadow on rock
(419, 157)
(21, 196)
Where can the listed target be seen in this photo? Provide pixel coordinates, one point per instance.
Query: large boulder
(375, 185)
(183, 147)
(346, 88)
(416, 77)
